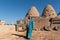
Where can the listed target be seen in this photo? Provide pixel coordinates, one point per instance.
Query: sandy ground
(37, 35)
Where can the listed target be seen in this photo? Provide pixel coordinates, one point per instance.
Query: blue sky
(13, 10)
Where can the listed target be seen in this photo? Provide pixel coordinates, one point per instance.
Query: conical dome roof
(49, 12)
(58, 13)
(33, 12)
(58, 16)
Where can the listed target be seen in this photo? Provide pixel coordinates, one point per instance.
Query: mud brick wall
(41, 22)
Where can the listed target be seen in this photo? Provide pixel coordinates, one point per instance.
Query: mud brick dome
(49, 11)
(58, 16)
(32, 12)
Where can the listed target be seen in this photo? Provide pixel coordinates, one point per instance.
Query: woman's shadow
(20, 35)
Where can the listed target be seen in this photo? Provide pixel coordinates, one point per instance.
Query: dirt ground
(37, 35)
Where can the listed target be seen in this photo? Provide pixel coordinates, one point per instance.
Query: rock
(47, 28)
(57, 28)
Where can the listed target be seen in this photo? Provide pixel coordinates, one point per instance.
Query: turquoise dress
(30, 29)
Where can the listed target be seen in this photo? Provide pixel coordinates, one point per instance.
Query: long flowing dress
(30, 29)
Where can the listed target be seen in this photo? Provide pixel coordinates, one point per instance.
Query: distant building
(2, 22)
